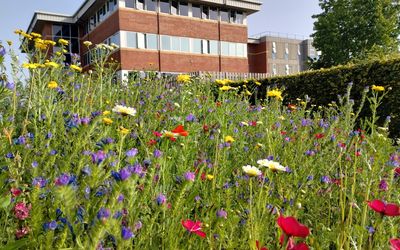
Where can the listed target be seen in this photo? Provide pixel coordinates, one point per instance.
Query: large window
(213, 47)
(196, 10)
(224, 15)
(175, 43)
(213, 13)
(102, 13)
(165, 42)
(185, 44)
(130, 3)
(151, 41)
(151, 5)
(131, 40)
(174, 7)
(165, 6)
(183, 9)
(205, 11)
(225, 48)
(196, 46)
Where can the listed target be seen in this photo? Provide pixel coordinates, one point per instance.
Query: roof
(249, 6)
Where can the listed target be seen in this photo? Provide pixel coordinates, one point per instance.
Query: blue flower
(132, 152)
(103, 213)
(161, 199)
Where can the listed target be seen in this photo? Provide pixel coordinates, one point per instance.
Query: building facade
(160, 35)
(277, 54)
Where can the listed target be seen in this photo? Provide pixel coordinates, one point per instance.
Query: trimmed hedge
(323, 86)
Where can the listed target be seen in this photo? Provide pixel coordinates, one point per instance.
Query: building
(160, 35)
(279, 54)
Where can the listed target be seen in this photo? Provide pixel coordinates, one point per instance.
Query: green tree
(354, 29)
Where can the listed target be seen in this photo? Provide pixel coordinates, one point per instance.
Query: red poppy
(299, 246)
(152, 142)
(291, 227)
(394, 244)
(158, 134)
(258, 246)
(15, 192)
(193, 227)
(397, 171)
(180, 130)
(388, 209)
(319, 136)
(205, 128)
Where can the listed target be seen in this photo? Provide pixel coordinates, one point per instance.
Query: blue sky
(284, 16)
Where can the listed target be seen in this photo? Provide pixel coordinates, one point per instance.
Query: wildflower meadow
(88, 161)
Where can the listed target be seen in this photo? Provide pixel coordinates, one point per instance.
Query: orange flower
(180, 130)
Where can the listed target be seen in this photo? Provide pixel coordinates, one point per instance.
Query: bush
(323, 86)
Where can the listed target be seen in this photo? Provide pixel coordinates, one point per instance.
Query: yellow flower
(123, 110)
(107, 121)
(87, 43)
(123, 130)
(36, 35)
(258, 83)
(275, 93)
(210, 177)
(75, 67)
(223, 82)
(251, 171)
(52, 85)
(272, 165)
(30, 65)
(183, 78)
(18, 31)
(226, 88)
(52, 65)
(63, 42)
(49, 42)
(378, 88)
(259, 145)
(248, 93)
(9, 42)
(106, 112)
(229, 139)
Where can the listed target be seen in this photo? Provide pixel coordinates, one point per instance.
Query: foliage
(323, 86)
(351, 29)
(155, 164)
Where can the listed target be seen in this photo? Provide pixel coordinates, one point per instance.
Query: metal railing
(229, 75)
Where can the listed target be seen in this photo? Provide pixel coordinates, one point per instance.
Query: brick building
(279, 54)
(161, 35)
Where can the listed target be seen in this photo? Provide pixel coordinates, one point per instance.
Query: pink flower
(394, 244)
(21, 210)
(22, 232)
(193, 227)
(388, 209)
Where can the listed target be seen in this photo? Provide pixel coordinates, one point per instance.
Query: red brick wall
(234, 33)
(233, 64)
(137, 20)
(257, 54)
(135, 59)
(188, 27)
(47, 31)
(180, 62)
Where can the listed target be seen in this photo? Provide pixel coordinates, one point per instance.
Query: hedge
(323, 86)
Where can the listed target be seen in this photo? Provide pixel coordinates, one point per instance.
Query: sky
(283, 16)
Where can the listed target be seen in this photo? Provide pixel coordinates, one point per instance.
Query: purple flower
(124, 173)
(126, 233)
(62, 180)
(98, 157)
(103, 213)
(190, 118)
(189, 176)
(136, 169)
(52, 225)
(49, 135)
(2, 51)
(132, 152)
(138, 225)
(161, 199)
(325, 179)
(85, 120)
(157, 153)
(10, 85)
(383, 186)
(39, 182)
(222, 214)
(10, 156)
(121, 198)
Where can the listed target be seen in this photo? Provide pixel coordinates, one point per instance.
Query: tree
(354, 29)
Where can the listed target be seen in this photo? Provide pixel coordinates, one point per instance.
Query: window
(131, 40)
(239, 17)
(140, 4)
(57, 30)
(151, 5)
(298, 50)
(183, 9)
(130, 3)
(274, 69)
(232, 49)
(174, 7)
(65, 30)
(287, 69)
(213, 13)
(240, 50)
(151, 41)
(213, 47)
(273, 47)
(74, 31)
(225, 48)
(273, 55)
(141, 42)
(196, 46)
(204, 12)
(165, 43)
(224, 15)
(164, 6)
(175, 43)
(205, 47)
(74, 47)
(196, 10)
(185, 44)
(232, 16)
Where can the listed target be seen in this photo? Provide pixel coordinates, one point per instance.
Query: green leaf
(16, 244)
(5, 201)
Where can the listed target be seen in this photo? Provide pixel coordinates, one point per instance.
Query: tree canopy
(354, 29)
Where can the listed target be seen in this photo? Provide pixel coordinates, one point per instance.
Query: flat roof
(250, 6)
